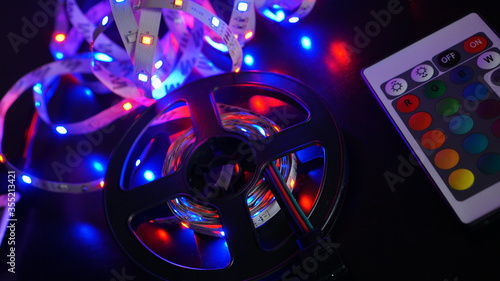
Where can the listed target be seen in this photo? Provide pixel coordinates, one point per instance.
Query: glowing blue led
(26, 179)
(278, 17)
(37, 104)
(222, 233)
(158, 64)
(149, 176)
(215, 21)
(38, 88)
(248, 59)
(306, 43)
(88, 92)
(98, 166)
(293, 20)
(119, 1)
(105, 20)
(61, 130)
(138, 162)
(142, 77)
(59, 55)
(103, 57)
(242, 6)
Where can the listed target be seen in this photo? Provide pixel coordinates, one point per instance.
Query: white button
(488, 60)
(396, 87)
(422, 73)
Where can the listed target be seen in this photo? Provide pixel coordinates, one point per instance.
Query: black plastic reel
(248, 259)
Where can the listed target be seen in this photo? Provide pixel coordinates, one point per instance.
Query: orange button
(408, 103)
(420, 121)
(446, 159)
(433, 139)
(475, 44)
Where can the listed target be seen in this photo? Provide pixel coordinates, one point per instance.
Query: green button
(434, 89)
(447, 106)
(489, 163)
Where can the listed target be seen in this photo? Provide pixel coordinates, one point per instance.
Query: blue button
(489, 163)
(475, 92)
(461, 124)
(475, 143)
(461, 74)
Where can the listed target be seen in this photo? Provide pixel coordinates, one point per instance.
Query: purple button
(489, 109)
(495, 128)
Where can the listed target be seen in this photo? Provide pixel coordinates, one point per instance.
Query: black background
(404, 233)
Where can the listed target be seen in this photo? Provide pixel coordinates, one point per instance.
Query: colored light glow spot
(127, 106)
(147, 40)
(101, 184)
(98, 166)
(61, 130)
(248, 35)
(119, 1)
(178, 3)
(142, 77)
(103, 57)
(184, 225)
(222, 233)
(38, 88)
(237, 70)
(215, 21)
(27, 179)
(105, 20)
(137, 162)
(156, 82)
(159, 94)
(242, 6)
(248, 59)
(37, 104)
(59, 55)
(158, 64)
(293, 20)
(149, 176)
(60, 37)
(306, 42)
(2, 160)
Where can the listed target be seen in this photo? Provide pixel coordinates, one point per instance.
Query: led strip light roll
(261, 202)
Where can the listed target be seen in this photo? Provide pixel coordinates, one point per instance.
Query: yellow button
(461, 179)
(446, 159)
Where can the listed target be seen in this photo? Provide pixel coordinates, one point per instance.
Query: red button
(475, 44)
(408, 103)
(420, 121)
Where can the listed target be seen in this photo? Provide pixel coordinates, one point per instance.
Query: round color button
(420, 121)
(475, 44)
(495, 77)
(475, 92)
(461, 179)
(434, 89)
(433, 139)
(422, 73)
(396, 87)
(475, 143)
(488, 109)
(489, 163)
(488, 60)
(446, 159)
(461, 124)
(408, 103)
(461, 75)
(495, 128)
(447, 106)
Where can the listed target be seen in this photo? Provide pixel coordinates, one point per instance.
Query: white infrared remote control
(442, 94)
